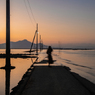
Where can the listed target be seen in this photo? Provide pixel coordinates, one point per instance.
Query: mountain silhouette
(22, 44)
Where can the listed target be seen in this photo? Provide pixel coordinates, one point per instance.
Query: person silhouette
(49, 51)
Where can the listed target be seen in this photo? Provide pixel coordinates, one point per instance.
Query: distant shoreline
(60, 48)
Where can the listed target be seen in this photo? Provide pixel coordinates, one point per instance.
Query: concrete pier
(55, 80)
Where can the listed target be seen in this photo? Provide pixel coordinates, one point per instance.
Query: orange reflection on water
(21, 67)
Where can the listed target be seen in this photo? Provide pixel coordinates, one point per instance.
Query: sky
(64, 21)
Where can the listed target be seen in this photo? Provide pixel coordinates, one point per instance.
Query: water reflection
(7, 69)
(15, 75)
(7, 84)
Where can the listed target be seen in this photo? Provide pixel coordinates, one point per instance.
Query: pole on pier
(59, 46)
(8, 33)
(37, 40)
(8, 66)
(40, 43)
(33, 41)
(7, 82)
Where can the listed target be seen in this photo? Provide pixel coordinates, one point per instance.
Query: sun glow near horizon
(64, 21)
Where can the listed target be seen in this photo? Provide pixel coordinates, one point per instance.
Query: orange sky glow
(64, 21)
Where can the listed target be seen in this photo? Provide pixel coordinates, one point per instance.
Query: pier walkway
(40, 79)
(54, 80)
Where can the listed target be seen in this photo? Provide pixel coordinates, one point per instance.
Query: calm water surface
(80, 61)
(16, 74)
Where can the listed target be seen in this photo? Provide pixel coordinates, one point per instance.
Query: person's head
(49, 47)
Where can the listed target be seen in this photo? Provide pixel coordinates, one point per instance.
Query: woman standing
(49, 51)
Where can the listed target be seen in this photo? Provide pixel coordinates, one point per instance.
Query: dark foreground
(56, 80)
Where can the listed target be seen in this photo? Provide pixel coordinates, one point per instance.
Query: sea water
(80, 61)
(21, 66)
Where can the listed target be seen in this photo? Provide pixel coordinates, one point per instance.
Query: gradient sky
(67, 21)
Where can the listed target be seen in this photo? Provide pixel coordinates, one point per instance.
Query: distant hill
(23, 44)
